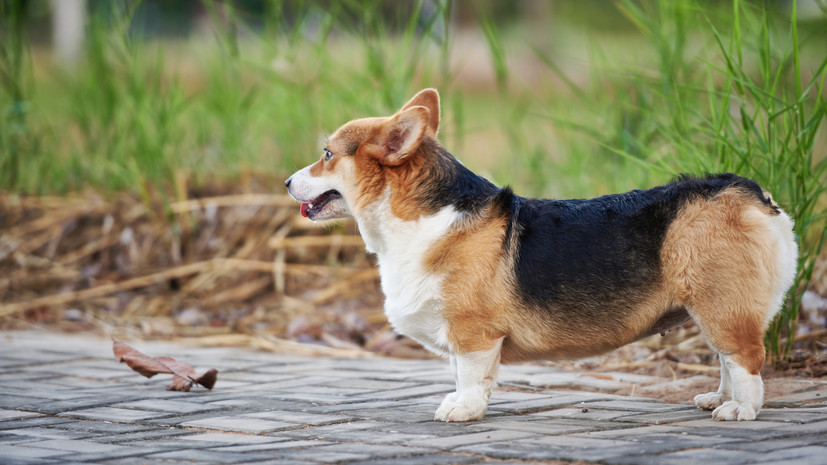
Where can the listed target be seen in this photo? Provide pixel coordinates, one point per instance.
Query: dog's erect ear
(402, 135)
(428, 98)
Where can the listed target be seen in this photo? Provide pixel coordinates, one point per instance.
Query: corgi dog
(481, 276)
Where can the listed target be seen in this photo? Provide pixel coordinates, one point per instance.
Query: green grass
(580, 103)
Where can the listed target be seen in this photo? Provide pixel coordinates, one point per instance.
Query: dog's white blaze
(305, 187)
(412, 295)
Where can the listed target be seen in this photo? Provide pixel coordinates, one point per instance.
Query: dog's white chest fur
(412, 294)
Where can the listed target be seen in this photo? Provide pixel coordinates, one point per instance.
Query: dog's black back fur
(594, 255)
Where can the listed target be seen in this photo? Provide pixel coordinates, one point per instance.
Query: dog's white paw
(709, 401)
(734, 410)
(458, 412)
(454, 409)
(450, 399)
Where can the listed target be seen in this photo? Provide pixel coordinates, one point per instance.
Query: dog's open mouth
(313, 207)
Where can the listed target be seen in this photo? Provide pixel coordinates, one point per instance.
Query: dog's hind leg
(476, 375)
(712, 400)
(737, 335)
(732, 262)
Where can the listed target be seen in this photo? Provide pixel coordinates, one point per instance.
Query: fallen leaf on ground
(184, 375)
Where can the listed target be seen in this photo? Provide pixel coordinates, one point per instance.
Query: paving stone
(102, 427)
(167, 406)
(678, 440)
(50, 392)
(302, 418)
(770, 445)
(410, 416)
(758, 430)
(432, 375)
(429, 459)
(812, 460)
(212, 456)
(638, 433)
(367, 384)
(140, 460)
(29, 451)
(6, 415)
(312, 398)
(10, 402)
(503, 397)
(258, 403)
(274, 445)
(547, 403)
(85, 446)
(637, 406)
(662, 418)
(566, 448)
(118, 415)
(436, 428)
(231, 438)
(286, 461)
(30, 377)
(48, 433)
(583, 413)
(133, 438)
(348, 452)
(33, 461)
(574, 380)
(299, 382)
(325, 391)
(6, 438)
(256, 377)
(379, 437)
(691, 457)
(244, 425)
(344, 408)
(812, 454)
(179, 420)
(31, 422)
(103, 371)
(416, 391)
(552, 426)
(331, 432)
(67, 405)
(791, 416)
(452, 442)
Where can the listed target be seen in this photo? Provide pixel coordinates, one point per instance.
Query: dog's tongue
(305, 206)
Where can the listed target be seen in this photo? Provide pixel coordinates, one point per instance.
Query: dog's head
(360, 156)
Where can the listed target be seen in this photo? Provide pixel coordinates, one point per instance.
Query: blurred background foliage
(163, 98)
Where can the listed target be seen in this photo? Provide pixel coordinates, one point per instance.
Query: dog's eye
(327, 155)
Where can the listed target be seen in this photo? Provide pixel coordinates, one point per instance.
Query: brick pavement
(64, 400)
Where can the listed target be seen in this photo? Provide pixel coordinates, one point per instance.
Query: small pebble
(73, 314)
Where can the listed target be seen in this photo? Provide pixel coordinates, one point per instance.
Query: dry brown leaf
(184, 375)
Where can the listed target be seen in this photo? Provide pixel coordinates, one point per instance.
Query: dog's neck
(395, 239)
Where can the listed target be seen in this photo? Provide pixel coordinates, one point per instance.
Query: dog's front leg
(476, 376)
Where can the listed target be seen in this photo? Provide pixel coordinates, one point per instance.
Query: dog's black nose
(287, 183)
